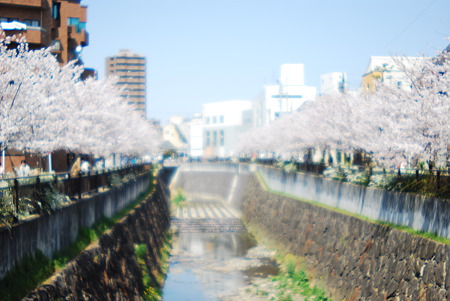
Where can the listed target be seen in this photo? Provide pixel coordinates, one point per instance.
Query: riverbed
(218, 266)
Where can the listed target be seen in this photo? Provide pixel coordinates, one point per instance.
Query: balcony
(80, 36)
(33, 35)
(28, 3)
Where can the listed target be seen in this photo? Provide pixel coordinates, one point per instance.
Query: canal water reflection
(210, 266)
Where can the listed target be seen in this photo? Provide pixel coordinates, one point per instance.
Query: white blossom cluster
(46, 107)
(393, 125)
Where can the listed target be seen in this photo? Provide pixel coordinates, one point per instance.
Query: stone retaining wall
(407, 209)
(108, 270)
(357, 260)
(50, 233)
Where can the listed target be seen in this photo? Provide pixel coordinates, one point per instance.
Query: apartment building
(130, 71)
(388, 71)
(44, 23)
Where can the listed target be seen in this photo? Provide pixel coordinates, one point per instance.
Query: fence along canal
(22, 196)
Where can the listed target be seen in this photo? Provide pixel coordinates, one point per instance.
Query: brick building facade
(57, 23)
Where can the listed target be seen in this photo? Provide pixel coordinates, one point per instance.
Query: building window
(207, 120)
(130, 64)
(222, 138)
(126, 83)
(55, 10)
(214, 119)
(215, 138)
(132, 76)
(4, 19)
(127, 70)
(76, 22)
(32, 23)
(221, 119)
(208, 138)
(130, 58)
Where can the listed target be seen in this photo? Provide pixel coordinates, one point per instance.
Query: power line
(409, 25)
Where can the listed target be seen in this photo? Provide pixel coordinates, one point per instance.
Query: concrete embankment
(356, 259)
(412, 210)
(52, 232)
(109, 269)
(225, 183)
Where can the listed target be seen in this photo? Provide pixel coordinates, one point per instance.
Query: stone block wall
(108, 270)
(356, 259)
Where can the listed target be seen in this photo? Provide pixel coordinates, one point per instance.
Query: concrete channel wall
(110, 269)
(52, 232)
(406, 209)
(224, 182)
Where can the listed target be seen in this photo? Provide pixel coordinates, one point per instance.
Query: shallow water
(210, 266)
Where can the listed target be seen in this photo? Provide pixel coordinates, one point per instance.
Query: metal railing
(28, 194)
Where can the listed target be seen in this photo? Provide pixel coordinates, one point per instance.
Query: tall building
(283, 98)
(333, 83)
(130, 70)
(44, 23)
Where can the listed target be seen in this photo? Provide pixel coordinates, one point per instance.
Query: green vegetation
(152, 291)
(34, 270)
(429, 185)
(294, 281)
(179, 200)
(428, 235)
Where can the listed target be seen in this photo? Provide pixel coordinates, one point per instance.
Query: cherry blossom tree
(45, 107)
(392, 125)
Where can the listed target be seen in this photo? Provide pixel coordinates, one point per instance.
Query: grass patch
(293, 279)
(31, 271)
(152, 291)
(179, 200)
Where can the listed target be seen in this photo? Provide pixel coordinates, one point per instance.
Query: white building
(387, 70)
(196, 137)
(175, 135)
(223, 123)
(333, 83)
(285, 97)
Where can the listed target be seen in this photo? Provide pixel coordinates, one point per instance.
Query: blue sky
(201, 51)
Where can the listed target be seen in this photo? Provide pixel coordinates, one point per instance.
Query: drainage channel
(213, 257)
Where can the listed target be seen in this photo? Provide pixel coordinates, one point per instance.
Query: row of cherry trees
(392, 125)
(46, 107)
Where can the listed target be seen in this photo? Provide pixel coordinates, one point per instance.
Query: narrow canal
(215, 266)
(213, 257)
